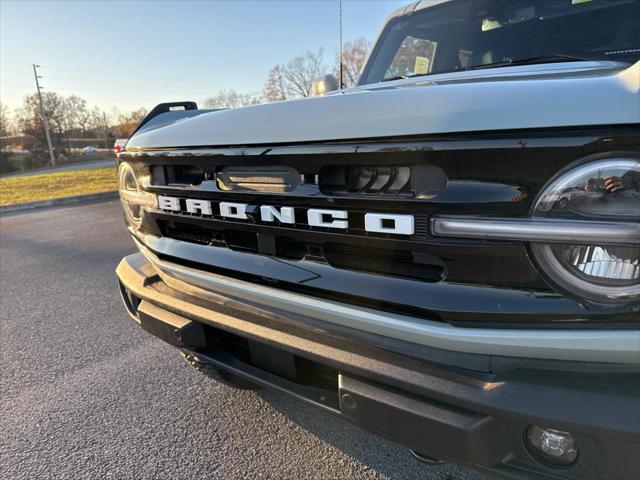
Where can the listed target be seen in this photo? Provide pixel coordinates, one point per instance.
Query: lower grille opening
(244, 241)
(235, 240)
(391, 262)
(186, 232)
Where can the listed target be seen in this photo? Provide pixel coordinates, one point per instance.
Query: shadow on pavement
(377, 453)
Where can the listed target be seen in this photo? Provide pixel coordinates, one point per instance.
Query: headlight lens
(606, 190)
(132, 198)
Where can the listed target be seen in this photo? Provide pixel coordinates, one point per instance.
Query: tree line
(73, 122)
(294, 78)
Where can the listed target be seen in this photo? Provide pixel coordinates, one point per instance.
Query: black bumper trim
(482, 413)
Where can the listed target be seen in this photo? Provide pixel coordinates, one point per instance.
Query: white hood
(538, 96)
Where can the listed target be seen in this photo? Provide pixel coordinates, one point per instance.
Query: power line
(117, 77)
(169, 87)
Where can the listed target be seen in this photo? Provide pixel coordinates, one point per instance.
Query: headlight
(603, 190)
(132, 198)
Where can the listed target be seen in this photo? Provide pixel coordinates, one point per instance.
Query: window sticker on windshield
(421, 66)
(576, 2)
(490, 24)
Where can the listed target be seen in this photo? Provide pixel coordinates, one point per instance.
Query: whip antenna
(340, 83)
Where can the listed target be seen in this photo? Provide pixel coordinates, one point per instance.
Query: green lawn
(57, 185)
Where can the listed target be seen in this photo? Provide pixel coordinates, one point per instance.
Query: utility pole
(106, 130)
(43, 116)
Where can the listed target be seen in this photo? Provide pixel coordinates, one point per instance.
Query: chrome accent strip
(537, 230)
(575, 345)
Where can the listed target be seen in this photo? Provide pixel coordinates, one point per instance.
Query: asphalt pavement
(85, 393)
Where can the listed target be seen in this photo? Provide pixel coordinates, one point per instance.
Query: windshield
(468, 34)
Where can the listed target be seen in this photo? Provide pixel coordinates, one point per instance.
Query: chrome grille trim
(537, 230)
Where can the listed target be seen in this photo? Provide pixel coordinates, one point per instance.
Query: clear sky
(139, 53)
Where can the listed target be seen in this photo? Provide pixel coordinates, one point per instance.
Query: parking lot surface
(85, 393)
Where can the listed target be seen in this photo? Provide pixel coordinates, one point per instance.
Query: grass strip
(57, 185)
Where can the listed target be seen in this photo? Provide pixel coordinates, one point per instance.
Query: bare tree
(77, 114)
(275, 89)
(300, 72)
(95, 120)
(6, 126)
(295, 78)
(231, 99)
(29, 122)
(128, 122)
(353, 56)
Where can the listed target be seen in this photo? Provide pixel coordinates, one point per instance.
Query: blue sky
(140, 53)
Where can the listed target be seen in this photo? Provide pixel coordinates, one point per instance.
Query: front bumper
(450, 405)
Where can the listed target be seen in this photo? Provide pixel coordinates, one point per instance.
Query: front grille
(479, 174)
(466, 282)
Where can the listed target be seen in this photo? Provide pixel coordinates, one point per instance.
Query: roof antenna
(340, 83)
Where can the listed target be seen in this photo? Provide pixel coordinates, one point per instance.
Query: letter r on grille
(199, 206)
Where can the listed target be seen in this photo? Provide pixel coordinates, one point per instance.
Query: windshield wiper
(403, 77)
(532, 61)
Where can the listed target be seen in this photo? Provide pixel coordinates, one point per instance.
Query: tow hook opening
(426, 458)
(131, 302)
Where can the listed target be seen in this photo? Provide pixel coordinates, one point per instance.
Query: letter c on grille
(318, 218)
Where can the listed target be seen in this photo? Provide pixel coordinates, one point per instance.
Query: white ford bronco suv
(447, 254)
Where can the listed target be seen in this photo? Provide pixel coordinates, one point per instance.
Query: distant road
(62, 168)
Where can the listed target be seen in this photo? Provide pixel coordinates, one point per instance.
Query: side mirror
(323, 85)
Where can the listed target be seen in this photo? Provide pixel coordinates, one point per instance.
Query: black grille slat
(385, 261)
(398, 263)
